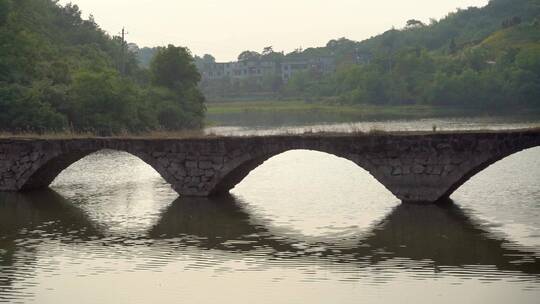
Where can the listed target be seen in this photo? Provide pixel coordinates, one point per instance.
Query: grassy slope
(403, 111)
(520, 37)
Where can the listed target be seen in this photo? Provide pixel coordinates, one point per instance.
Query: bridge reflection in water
(440, 238)
(443, 234)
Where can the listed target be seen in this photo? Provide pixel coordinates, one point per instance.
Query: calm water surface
(305, 227)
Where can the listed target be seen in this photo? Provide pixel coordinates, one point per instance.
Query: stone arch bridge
(415, 167)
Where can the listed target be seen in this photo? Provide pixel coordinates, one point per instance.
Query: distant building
(237, 70)
(323, 65)
(257, 68)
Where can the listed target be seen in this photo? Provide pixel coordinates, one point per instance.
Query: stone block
(394, 162)
(191, 164)
(449, 168)
(34, 156)
(217, 160)
(158, 154)
(386, 170)
(437, 170)
(443, 146)
(164, 162)
(180, 174)
(406, 170)
(205, 164)
(195, 172)
(418, 169)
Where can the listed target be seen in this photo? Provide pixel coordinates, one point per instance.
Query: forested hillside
(480, 57)
(459, 29)
(485, 58)
(60, 72)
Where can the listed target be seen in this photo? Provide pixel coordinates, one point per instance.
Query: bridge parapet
(414, 167)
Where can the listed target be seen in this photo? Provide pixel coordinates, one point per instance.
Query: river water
(304, 227)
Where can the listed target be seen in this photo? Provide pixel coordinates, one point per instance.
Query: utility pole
(123, 53)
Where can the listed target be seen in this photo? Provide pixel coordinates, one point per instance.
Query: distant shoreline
(361, 111)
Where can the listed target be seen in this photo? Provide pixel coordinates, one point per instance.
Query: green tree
(267, 50)
(103, 102)
(413, 23)
(174, 68)
(22, 110)
(207, 58)
(5, 6)
(58, 70)
(249, 55)
(182, 104)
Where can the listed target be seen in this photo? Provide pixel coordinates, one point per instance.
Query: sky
(225, 28)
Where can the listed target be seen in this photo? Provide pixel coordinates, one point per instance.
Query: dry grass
(80, 135)
(186, 134)
(376, 131)
(47, 135)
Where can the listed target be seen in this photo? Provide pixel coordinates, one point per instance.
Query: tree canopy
(501, 71)
(61, 72)
(173, 67)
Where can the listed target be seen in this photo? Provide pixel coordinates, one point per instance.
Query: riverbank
(233, 107)
(297, 112)
(297, 117)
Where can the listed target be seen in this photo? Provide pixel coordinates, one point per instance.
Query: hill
(465, 27)
(483, 57)
(480, 57)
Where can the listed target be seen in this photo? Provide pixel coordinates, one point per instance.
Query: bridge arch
(236, 171)
(44, 171)
(469, 172)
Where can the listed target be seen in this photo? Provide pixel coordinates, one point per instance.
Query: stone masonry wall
(414, 167)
